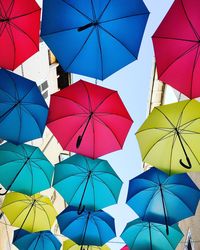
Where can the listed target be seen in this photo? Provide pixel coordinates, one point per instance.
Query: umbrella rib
(45, 212)
(181, 115)
(176, 39)
(162, 129)
(29, 204)
(167, 118)
(2, 9)
(191, 25)
(9, 31)
(68, 177)
(94, 140)
(107, 113)
(176, 59)
(103, 11)
(34, 215)
(186, 132)
(171, 153)
(137, 235)
(2, 28)
(26, 14)
(42, 171)
(93, 10)
(120, 42)
(103, 100)
(193, 68)
(94, 197)
(100, 237)
(100, 49)
(189, 123)
(67, 116)
(88, 95)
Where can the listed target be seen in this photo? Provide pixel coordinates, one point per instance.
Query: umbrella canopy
(156, 197)
(150, 236)
(87, 183)
(21, 104)
(70, 245)
(31, 213)
(176, 46)
(94, 38)
(125, 248)
(89, 228)
(169, 138)
(22, 166)
(43, 240)
(84, 116)
(18, 39)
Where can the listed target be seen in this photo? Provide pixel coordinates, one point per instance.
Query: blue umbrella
(43, 240)
(164, 199)
(87, 228)
(23, 111)
(94, 38)
(84, 182)
(24, 168)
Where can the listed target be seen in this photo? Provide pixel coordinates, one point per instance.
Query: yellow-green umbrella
(170, 137)
(71, 245)
(32, 213)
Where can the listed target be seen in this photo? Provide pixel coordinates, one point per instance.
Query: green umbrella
(150, 236)
(24, 169)
(169, 138)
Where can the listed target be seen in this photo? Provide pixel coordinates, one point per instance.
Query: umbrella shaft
(150, 236)
(80, 204)
(85, 230)
(164, 210)
(87, 26)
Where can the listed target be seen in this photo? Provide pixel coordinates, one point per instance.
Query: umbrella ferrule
(84, 27)
(3, 20)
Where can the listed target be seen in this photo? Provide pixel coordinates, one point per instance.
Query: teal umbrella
(24, 169)
(140, 235)
(84, 182)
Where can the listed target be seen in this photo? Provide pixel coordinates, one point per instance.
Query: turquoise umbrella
(150, 236)
(24, 169)
(84, 182)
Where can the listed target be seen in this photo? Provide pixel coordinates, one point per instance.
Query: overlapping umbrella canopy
(70, 245)
(94, 38)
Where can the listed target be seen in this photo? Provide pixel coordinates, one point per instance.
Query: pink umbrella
(88, 119)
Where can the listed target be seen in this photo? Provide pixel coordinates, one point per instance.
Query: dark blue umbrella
(23, 111)
(87, 228)
(157, 197)
(43, 240)
(94, 38)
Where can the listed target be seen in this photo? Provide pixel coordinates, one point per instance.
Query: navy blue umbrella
(87, 228)
(23, 110)
(43, 240)
(94, 38)
(157, 197)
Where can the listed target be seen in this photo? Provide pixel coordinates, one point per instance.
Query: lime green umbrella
(71, 245)
(170, 137)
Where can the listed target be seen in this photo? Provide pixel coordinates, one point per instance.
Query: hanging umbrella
(156, 197)
(18, 39)
(70, 245)
(125, 248)
(31, 213)
(150, 236)
(22, 166)
(88, 119)
(23, 110)
(87, 183)
(94, 38)
(169, 138)
(176, 45)
(89, 228)
(43, 240)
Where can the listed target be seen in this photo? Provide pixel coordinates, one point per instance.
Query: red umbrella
(19, 31)
(177, 47)
(125, 248)
(88, 119)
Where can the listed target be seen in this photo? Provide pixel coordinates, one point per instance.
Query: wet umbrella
(157, 197)
(169, 138)
(94, 38)
(18, 39)
(87, 183)
(177, 47)
(22, 166)
(88, 119)
(70, 245)
(23, 110)
(88, 228)
(31, 213)
(150, 236)
(42, 240)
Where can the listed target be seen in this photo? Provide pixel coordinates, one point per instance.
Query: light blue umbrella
(24, 169)
(84, 182)
(94, 38)
(140, 235)
(43, 240)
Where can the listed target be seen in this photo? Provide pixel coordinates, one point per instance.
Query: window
(44, 89)
(189, 243)
(63, 156)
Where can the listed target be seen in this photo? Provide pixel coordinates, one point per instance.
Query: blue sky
(133, 85)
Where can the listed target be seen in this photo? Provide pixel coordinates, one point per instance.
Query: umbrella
(125, 248)
(70, 245)
(43, 240)
(169, 138)
(23, 110)
(84, 116)
(176, 45)
(22, 166)
(157, 197)
(31, 213)
(84, 182)
(89, 228)
(94, 38)
(150, 236)
(18, 39)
